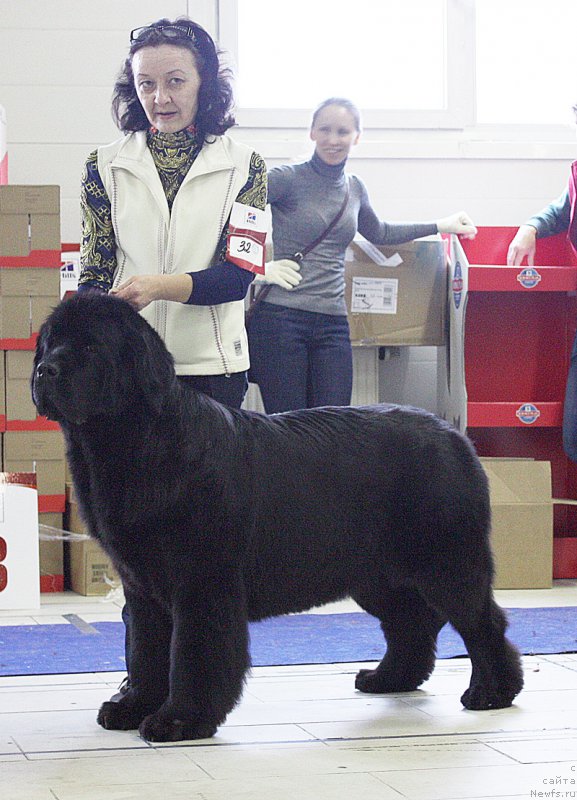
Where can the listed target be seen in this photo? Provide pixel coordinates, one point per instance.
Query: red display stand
(514, 327)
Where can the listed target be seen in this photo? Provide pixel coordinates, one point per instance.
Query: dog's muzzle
(45, 376)
(47, 370)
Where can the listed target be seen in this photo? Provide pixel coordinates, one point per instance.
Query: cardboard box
(30, 282)
(29, 219)
(522, 531)
(90, 569)
(19, 570)
(41, 452)
(19, 405)
(51, 553)
(2, 393)
(27, 296)
(21, 412)
(397, 295)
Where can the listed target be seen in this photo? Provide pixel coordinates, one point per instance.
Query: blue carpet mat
(299, 639)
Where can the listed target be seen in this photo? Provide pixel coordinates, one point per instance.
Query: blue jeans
(300, 359)
(226, 389)
(570, 408)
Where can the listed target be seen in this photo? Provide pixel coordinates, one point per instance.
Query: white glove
(459, 223)
(523, 244)
(285, 273)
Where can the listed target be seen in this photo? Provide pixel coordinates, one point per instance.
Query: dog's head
(96, 356)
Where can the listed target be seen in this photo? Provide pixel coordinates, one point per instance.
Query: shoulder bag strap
(301, 254)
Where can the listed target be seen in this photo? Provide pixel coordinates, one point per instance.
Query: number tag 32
(245, 244)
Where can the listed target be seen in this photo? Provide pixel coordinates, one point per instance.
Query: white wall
(58, 62)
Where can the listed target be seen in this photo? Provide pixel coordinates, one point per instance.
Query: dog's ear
(154, 367)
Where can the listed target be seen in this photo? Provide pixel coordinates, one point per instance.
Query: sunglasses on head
(169, 31)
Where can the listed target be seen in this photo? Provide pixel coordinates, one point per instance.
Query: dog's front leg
(209, 660)
(148, 636)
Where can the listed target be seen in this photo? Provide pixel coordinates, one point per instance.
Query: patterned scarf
(173, 155)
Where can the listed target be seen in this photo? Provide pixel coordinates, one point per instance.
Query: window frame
(460, 111)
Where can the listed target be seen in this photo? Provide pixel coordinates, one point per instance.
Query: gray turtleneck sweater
(304, 198)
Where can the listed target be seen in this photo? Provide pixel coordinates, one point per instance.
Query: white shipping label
(374, 295)
(376, 256)
(245, 249)
(248, 218)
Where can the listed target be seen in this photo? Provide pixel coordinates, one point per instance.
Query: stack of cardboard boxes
(89, 569)
(29, 289)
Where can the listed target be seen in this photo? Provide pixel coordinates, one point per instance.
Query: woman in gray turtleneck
(300, 347)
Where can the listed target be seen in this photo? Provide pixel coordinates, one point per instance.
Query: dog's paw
(156, 728)
(118, 716)
(478, 698)
(371, 681)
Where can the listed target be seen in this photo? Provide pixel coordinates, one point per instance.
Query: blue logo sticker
(528, 413)
(529, 277)
(457, 285)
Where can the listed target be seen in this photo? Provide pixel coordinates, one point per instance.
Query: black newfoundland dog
(215, 517)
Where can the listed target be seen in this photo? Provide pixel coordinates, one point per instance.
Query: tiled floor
(299, 732)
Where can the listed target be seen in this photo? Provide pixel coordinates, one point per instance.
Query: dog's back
(376, 491)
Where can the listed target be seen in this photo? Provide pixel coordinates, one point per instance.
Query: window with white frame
(526, 63)
(390, 57)
(405, 63)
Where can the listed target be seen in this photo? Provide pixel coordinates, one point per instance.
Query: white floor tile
(8, 747)
(35, 682)
(106, 615)
(30, 792)
(54, 699)
(542, 751)
(300, 731)
(563, 593)
(63, 775)
(303, 711)
(462, 784)
(223, 765)
(258, 734)
(308, 787)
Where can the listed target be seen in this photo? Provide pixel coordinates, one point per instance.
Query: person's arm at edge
(97, 246)
(551, 220)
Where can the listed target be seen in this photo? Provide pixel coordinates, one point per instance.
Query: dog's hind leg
(497, 675)
(467, 601)
(410, 627)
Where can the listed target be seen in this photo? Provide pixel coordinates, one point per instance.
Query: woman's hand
(142, 290)
(522, 245)
(284, 272)
(459, 223)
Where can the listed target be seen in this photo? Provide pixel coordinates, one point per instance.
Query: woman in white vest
(172, 212)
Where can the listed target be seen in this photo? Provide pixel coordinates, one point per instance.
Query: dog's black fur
(215, 517)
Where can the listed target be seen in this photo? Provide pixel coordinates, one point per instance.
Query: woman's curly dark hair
(215, 99)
